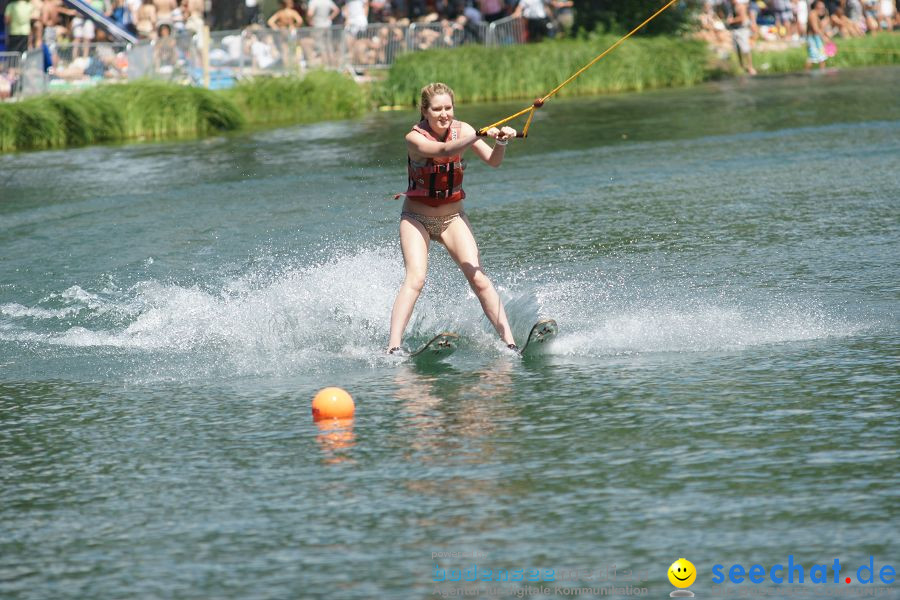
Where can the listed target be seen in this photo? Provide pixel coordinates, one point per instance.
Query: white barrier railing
(71, 66)
(375, 47)
(34, 80)
(322, 48)
(80, 62)
(504, 32)
(260, 51)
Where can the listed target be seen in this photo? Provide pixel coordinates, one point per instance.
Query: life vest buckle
(447, 167)
(442, 194)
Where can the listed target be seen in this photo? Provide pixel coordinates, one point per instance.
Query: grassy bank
(881, 49)
(109, 113)
(320, 96)
(479, 74)
(154, 110)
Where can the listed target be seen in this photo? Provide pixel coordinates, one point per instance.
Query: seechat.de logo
(793, 572)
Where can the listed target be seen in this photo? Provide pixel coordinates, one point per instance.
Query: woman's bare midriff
(410, 205)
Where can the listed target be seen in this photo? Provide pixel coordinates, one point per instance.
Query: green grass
(30, 125)
(320, 96)
(479, 74)
(108, 113)
(155, 110)
(881, 49)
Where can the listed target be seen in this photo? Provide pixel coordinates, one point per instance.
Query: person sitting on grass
(8, 78)
(856, 16)
(843, 24)
(887, 16)
(784, 18)
(165, 50)
(870, 13)
(712, 28)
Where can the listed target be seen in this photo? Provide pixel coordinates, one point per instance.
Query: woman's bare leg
(461, 245)
(414, 243)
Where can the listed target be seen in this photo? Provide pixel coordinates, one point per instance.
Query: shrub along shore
(480, 74)
(153, 110)
(148, 110)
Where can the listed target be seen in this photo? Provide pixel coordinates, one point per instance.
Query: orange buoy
(332, 403)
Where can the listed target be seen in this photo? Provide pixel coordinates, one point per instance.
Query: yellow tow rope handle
(539, 102)
(519, 134)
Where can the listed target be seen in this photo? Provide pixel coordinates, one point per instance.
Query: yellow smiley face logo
(682, 573)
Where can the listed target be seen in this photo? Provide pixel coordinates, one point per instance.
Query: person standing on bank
(18, 25)
(740, 25)
(816, 36)
(433, 210)
(537, 15)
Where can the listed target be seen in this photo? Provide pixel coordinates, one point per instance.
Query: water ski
(437, 348)
(542, 332)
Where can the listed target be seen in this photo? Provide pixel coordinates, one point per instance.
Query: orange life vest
(437, 180)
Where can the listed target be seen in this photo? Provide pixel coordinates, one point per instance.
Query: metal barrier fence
(64, 66)
(73, 63)
(235, 55)
(33, 76)
(505, 32)
(446, 34)
(375, 47)
(257, 50)
(10, 74)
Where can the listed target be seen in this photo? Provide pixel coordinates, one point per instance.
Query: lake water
(723, 265)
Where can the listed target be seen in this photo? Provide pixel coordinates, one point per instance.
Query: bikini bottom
(435, 226)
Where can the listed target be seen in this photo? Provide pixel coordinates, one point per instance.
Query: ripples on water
(723, 388)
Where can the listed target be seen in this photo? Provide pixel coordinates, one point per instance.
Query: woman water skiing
(432, 208)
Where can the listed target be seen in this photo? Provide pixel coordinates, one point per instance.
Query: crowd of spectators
(75, 48)
(29, 23)
(301, 33)
(544, 17)
(298, 33)
(742, 23)
(369, 32)
(789, 19)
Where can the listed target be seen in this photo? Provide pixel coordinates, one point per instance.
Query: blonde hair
(430, 91)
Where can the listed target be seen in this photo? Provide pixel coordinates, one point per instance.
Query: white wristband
(502, 142)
